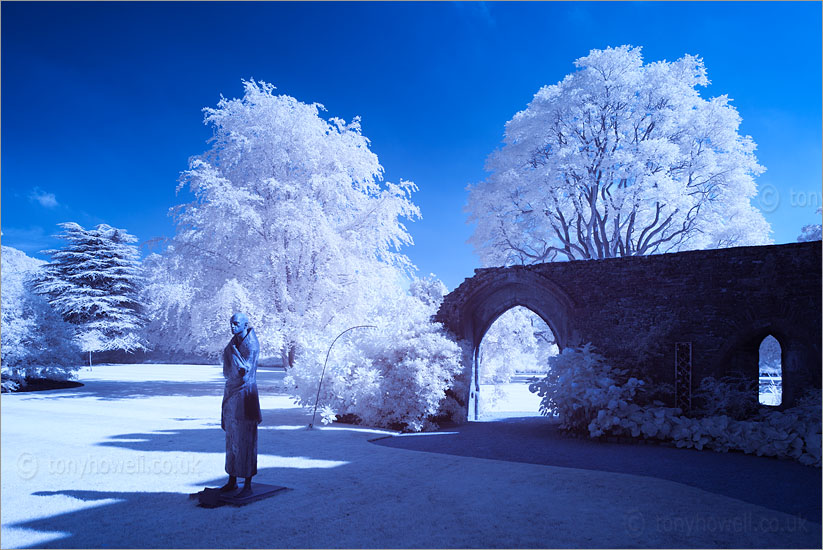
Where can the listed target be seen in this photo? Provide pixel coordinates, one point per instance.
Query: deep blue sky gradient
(101, 102)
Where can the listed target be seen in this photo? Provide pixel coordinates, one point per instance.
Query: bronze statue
(241, 404)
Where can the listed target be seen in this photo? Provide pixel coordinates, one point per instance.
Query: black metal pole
(322, 374)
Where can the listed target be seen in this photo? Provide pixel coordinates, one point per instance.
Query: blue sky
(101, 102)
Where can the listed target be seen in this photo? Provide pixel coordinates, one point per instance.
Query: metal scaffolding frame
(683, 376)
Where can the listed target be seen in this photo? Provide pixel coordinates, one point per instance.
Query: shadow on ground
(306, 461)
(348, 494)
(781, 485)
(269, 381)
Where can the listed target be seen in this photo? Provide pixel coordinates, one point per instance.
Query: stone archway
(492, 292)
(497, 292)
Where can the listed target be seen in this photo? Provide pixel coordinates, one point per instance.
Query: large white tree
(94, 283)
(620, 158)
(290, 222)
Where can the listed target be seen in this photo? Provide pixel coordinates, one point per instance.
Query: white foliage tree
(518, 341)
(812, 231)
(94, 283)
(290, 222)
(620, 158)
(36, 342)
(430, 290)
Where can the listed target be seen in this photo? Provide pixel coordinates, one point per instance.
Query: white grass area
(507, 400)
(110, 464)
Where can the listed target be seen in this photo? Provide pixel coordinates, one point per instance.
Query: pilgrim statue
(241, 404)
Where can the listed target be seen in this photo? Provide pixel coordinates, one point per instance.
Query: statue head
(238, 323)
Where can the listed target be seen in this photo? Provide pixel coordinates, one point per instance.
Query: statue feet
(245, 492)
(230, 485)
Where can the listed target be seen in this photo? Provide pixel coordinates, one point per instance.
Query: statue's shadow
(308, 463)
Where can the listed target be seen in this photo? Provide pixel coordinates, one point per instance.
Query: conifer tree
(93, 282)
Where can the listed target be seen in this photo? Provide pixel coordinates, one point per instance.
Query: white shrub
(792, 433)
(580, 383)
(395, 375)
(36, 342)
(583, 390)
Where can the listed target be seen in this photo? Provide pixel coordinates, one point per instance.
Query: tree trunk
(287, 356)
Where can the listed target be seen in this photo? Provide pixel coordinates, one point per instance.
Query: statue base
(213, 498)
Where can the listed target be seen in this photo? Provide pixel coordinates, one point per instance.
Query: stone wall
(634, 309)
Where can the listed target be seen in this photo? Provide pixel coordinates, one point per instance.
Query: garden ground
(110, 464)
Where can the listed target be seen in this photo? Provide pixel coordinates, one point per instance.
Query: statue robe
(241, 404)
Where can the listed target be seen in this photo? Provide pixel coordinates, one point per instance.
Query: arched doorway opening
(762, 355)
(514, 350)
(469, 314)
(770, 364)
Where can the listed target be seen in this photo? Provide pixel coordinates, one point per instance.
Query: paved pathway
(781, 485)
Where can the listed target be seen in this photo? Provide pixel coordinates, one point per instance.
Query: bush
(395, 376)
(36, 342)
(580, 383)
(793, 433)
(730, 395)
(586, 394)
